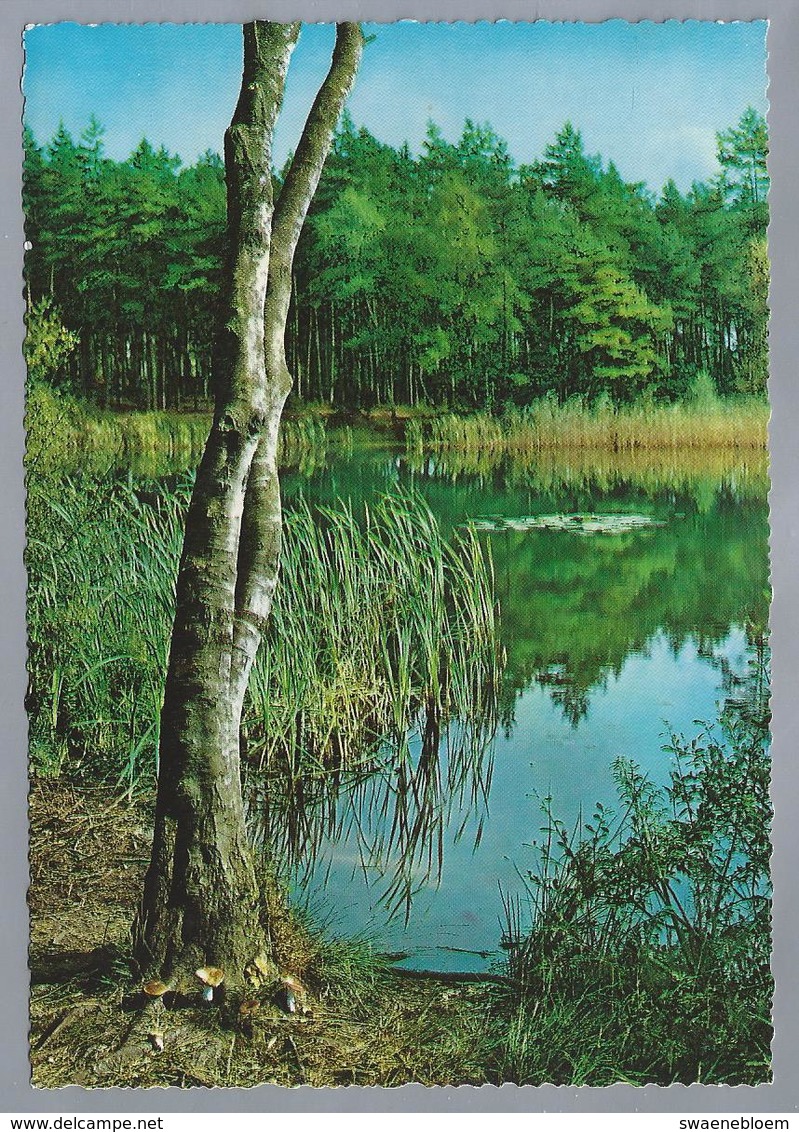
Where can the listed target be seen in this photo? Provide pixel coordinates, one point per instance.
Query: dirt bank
(363, 1025)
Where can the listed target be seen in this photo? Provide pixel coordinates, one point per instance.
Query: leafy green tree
(48, 343)
(567, 173)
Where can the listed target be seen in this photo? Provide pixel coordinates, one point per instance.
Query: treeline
(453, 277)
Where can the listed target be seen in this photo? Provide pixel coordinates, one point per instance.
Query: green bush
(48, 343)
(647, 959)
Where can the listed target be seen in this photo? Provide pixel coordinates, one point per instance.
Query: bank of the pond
(360, 1025)
(66, 431)
(599, 987)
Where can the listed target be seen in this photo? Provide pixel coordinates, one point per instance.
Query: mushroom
(292, 995)
(154, 991)
(155, 988)
(212, 977)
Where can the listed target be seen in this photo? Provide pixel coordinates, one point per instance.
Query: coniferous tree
(452, 277)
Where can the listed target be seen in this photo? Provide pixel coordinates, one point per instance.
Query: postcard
(397, 550)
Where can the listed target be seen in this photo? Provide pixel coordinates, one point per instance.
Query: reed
(377, 618)
(69, 434)
(644, 425)
(383, 606)
(700, 473)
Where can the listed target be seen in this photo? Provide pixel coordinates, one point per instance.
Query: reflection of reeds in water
(77, 437)
(304, 444)
(693, 471)
(375, 698)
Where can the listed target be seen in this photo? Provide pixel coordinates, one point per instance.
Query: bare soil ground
(89, 849)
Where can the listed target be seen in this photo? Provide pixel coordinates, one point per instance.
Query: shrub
(647, 959)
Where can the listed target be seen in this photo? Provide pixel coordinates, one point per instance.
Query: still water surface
(613, 642)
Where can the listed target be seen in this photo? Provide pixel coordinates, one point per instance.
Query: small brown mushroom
(155, 988)
(212, 977)
(154, 992)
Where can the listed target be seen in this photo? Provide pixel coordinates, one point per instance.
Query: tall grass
(69, 434)
(375, 619)
(101, 562)
(376, 616)
(375, 697)
(707, 423)
(647, 958)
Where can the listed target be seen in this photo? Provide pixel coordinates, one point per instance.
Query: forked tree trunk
(201, 903)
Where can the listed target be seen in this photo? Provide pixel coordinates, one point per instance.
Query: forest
(452, 278)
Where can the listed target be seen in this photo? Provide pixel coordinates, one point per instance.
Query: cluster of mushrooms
(291, 997)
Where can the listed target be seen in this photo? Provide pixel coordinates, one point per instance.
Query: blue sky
(648, 96)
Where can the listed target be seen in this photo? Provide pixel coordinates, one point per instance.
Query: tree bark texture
(201, 903)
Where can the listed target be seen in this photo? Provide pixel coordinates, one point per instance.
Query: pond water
(613, 641)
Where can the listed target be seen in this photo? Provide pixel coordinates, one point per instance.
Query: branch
(239, 364)
(303, 177)
(258, 566)
(259, 543)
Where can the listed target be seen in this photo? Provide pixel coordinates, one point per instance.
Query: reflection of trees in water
(589, 603)
(574, 609)
(393, 808)
(747, 694)
(573, 701)
(565, 691)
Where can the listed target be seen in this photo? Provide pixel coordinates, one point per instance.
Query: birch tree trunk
(201, 903)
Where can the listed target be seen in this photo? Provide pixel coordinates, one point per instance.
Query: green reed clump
(647, 958)
(374, 617)
(601, 425)
(101, 560)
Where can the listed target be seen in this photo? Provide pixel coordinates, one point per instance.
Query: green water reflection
(573, 608)
(611, 641)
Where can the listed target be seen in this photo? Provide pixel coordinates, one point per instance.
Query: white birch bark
(201, 902)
